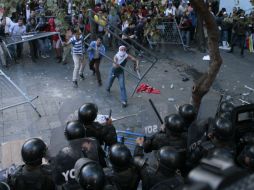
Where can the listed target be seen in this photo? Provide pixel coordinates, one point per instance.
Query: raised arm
(136, 61)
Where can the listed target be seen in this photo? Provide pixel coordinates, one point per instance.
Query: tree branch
(203, 85)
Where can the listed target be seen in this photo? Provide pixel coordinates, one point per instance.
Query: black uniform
(123, 173)
(104, 134)
(221, 135)
(161, 139)
(127, 179)
(63, 165)
(150, 176)
(33, 175)
(174, 135)
(32, 178)
(86, 114)
(90, 176)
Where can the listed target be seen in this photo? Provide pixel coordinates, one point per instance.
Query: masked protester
(117, 71)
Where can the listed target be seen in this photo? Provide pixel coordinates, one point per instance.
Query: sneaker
(75, 84)
(47, 55)
(82, 77)
(124, 104)
(44, 56)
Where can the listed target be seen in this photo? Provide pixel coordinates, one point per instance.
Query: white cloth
(121, 55)
(171, 11)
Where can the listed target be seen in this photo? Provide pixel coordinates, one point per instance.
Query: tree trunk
(202, 86)
(200, 36)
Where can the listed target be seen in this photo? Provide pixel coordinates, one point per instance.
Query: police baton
(156, 111)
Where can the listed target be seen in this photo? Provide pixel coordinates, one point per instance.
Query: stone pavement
(51, 81)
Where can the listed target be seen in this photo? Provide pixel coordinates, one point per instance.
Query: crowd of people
(115, 24)
(135, 20)
(185, 154)
(236, 27)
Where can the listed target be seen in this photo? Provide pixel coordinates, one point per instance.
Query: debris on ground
(171, 99)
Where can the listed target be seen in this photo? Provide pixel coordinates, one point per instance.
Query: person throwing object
(78, 52)
(120, 60)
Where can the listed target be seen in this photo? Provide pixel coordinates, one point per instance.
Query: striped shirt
(77, 45)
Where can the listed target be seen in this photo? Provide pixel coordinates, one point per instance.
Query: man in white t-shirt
(171, 10)
(8, 24)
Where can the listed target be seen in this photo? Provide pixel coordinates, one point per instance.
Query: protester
(78, 52)
(117, 71)
(18, 30)
(96, 50)
(31, 27)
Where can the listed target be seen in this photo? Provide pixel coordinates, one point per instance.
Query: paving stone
(10, 114)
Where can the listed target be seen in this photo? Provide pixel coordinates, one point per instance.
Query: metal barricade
(165, 32)
(128, 138)
(6, 83)
(16, 39)
(131, 44)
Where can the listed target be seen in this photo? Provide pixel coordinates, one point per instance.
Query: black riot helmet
(223, 129)
(74, 130)
(32, 151)
(119, 156)
(4, 186)
(174, 123)
(188, 113)
(89, 174)
(226, 107)
(170, 158)
(87, 113)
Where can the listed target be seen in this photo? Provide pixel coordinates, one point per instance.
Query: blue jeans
(121, 80)
(186, 37)
(224, 35)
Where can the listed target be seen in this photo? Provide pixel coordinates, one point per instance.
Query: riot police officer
(63, 163)
(225, 110)
(173, 135)
(188, 113)
(104, 134)
(169, 160)
(123, 172)
(33, 175)
(90, 175)
(221, 135)
(214, 177)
